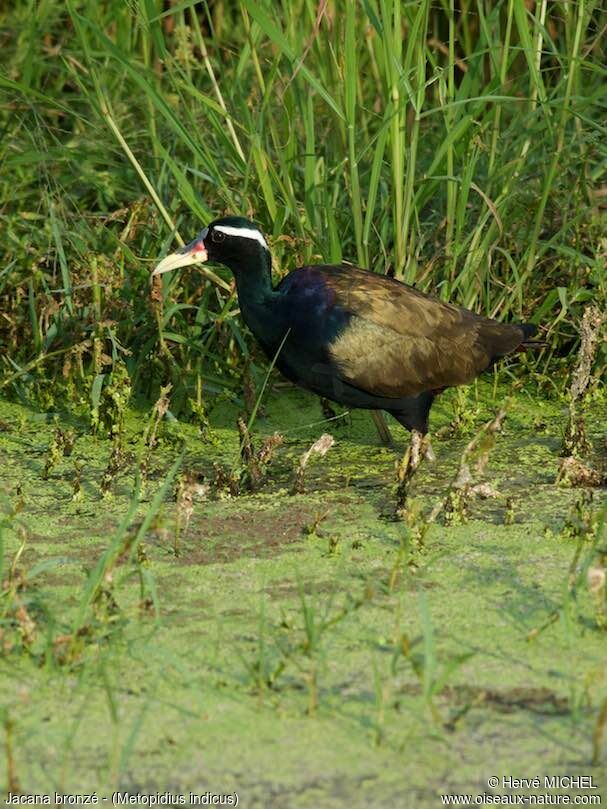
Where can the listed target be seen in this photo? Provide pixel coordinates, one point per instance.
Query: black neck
(259, 303)
(253, 274)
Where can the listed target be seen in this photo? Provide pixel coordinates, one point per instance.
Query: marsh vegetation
(208, 580)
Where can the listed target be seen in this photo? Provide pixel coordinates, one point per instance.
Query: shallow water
(396, 673)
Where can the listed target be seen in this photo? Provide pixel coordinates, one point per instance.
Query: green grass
(460, 147)
(282, 621)
(294, 643)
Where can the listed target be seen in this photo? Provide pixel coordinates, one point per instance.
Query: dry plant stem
(575, 442)
(592, 322)
(268, 448)
(320, 447)
(573, 472)
(461, 487)
(189, 488)
(150, 433)
(115, 464)
(247, 453)
(255, 461)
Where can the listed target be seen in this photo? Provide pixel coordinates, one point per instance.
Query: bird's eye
(217, 236)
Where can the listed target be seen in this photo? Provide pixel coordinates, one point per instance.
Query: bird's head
(232, 240)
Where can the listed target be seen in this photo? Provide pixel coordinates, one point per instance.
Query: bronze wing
(401, 342)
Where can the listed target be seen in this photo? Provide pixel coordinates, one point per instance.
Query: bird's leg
(428, 451)
(421, 447)
(418, 449)
(327, 410)
(416, 444)
(382, 428)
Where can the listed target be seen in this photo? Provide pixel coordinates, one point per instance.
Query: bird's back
(389, 338)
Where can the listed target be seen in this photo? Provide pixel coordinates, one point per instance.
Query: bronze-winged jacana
(353, 336)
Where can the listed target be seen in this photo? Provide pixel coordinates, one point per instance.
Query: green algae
(304, 653)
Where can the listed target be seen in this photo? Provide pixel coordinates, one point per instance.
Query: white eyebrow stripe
(246, 233)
